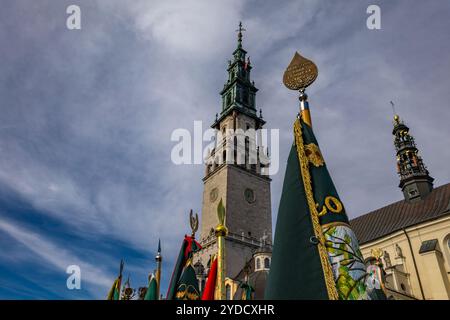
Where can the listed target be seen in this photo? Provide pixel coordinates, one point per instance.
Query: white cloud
(57, 257)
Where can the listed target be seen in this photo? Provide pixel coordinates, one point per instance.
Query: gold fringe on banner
(318, 232)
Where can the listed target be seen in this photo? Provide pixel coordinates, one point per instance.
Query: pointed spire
(415, 180)
(157, 272)
(122, 263)
(158, 253)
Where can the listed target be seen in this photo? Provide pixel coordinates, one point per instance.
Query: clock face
(213, 194)
(249, 195)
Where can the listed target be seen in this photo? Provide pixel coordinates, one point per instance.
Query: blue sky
(86, 119)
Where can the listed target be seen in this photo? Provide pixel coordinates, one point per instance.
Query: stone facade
(248, 223)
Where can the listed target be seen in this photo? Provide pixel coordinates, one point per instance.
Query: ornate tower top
(415, 180)
(239, 91)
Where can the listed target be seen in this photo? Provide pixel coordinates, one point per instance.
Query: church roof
(402, 214)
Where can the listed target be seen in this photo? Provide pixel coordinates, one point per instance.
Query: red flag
(208, 292)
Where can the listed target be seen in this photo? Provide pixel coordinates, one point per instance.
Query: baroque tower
(236, 172)
(415, 180)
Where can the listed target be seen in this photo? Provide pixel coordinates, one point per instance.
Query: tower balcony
(238, 238)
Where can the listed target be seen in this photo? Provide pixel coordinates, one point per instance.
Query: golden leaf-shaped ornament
(300, 73)
(221, 212)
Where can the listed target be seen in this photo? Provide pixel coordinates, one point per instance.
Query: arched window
(247, 144)
(228, 292)
(258, 264)
(446, 251)
(266, 263)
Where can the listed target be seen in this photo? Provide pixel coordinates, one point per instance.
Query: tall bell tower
(236, 172)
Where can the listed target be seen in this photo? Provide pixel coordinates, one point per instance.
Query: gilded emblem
(300, 73)
(314, 155)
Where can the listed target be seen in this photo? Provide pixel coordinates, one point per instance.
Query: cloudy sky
(86, 119)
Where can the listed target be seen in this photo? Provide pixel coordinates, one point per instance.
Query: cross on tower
(393, 107)
(239, 31)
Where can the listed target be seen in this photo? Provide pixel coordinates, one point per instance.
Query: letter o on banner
(333, 204)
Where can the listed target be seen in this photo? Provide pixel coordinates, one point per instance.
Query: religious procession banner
(183, 284)
(316, 254)
(345, 258)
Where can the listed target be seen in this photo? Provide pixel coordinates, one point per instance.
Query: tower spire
(239, 90)
(415, 180)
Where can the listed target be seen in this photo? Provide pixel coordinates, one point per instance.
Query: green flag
(183, 273)
(316, 254)
(188, 284)
(295, 271)
(152, 290)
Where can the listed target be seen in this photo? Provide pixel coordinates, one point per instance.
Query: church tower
(415, 180)
(236, 172)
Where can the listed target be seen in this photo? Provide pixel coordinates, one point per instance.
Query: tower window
(266, 263)
(258, 264)
(228, 101)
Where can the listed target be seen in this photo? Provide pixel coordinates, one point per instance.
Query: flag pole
(220, 232)
(158, 259)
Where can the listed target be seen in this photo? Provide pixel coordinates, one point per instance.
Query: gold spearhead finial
(221, 213)
(300, 73)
